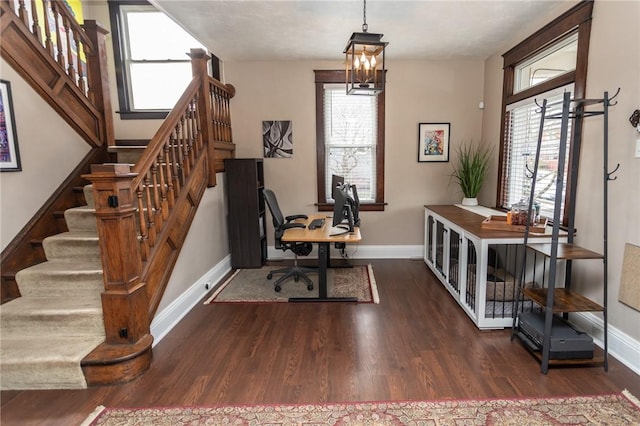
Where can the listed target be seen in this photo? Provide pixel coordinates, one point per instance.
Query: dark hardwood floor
(416, 344)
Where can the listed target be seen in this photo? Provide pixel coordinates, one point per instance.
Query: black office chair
(280, 225)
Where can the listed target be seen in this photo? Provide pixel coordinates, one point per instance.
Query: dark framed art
(433, 142)
(9, 153)
(277, 139)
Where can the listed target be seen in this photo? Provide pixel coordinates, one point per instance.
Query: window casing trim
(323, 77)
(577, 19)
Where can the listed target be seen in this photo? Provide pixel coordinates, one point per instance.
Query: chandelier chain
(365, 27)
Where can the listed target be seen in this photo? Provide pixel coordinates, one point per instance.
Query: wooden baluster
(193, 134)
(56, 20)
(22, 12)
(144, 233)
(163, 185)
(71, 71)
(155, 182)
(225, 114)
(184, 144)
(149, 212)
(35, 27)
(217, 115)
(174, 161)
(48, 44)
(225, 118)
(212, 112)
(80, 68)
(196, 123)
(169, 175)
(177, 148)
(12, 5)
(227, 103)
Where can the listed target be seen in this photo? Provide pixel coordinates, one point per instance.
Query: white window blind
(523, 125)
(350, 140)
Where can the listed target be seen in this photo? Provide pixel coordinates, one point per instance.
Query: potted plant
(471, 169)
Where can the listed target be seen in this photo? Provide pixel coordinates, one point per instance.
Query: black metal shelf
(561, 299)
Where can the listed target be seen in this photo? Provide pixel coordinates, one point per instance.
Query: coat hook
(613, 97)
(610, 173)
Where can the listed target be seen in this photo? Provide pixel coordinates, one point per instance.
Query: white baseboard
(355, 251)
(621, 346)
(164, 321)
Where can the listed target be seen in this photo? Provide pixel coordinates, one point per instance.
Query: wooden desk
(323, 237)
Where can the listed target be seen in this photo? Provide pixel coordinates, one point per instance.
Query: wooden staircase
(143, 211)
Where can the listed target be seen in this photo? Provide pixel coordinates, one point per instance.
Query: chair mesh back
(272, 202)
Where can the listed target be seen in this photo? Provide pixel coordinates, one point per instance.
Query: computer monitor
(336, 181)
(355, 204)
(346, 208)
(342, 209)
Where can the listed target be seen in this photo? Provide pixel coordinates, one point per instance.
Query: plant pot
(469, 201)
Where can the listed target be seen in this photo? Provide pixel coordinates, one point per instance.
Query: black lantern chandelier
(365, 74)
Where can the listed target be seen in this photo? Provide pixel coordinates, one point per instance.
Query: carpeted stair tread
(72, 245)
(88, 195)
(60, 316)
(61, 279)
(34, 364)
(58, 321)
(81, 219)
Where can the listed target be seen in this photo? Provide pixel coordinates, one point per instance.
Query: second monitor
(346, 208)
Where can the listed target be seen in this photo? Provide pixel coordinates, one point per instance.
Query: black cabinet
(246, 221)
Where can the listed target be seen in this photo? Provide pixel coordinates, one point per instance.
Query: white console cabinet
(480, 267)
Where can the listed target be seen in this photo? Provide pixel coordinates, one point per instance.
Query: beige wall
(614, 62)
(205, 246)
(48, 147)
(417, 91)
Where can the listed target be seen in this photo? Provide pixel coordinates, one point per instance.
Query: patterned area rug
(591, 410)
(252, 285)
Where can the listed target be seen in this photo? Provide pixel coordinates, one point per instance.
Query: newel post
(124, 301)
(98, 77)
(199, 59)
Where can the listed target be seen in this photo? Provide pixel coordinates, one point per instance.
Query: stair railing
(144, 212)
(64, 61)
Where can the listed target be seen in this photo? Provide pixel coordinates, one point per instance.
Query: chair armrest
(292, 225)
(296, 216)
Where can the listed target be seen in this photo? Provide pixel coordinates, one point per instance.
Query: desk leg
(323, 264)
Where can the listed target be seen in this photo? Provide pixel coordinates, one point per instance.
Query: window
(150, 52)
(544, 66)
(524, 124)
(350, 141)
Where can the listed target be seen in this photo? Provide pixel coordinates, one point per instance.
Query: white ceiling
(310, 29)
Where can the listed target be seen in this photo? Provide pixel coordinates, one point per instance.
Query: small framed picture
(433, 142)
(9, 154)
(277, 139)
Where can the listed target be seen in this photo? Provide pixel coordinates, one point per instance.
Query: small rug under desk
(252, 286)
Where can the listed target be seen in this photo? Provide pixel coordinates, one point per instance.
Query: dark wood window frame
(323, 77)
(124, 103)
(118, 58)
(577, 19)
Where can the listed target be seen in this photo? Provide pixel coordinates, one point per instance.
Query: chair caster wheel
(277, 289)
(310, 287)
(269, 276)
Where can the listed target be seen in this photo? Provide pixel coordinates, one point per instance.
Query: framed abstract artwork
(277, 139)
(9, 153)
(433, 142)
